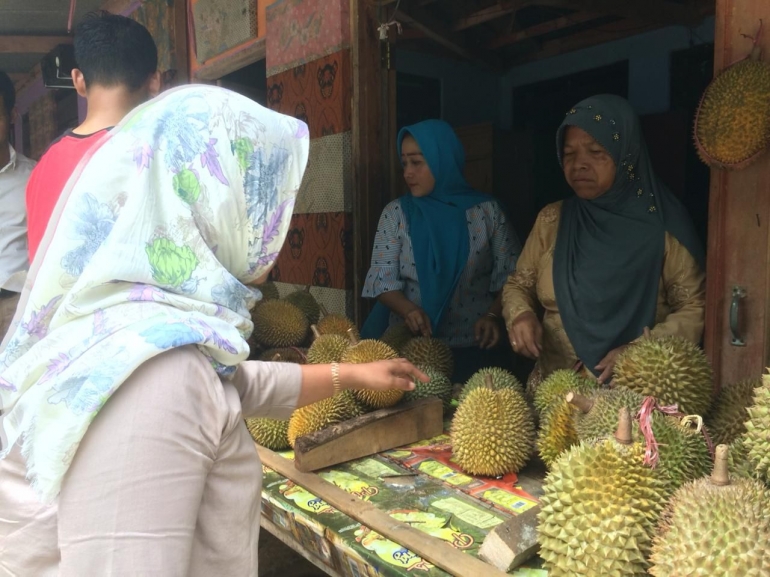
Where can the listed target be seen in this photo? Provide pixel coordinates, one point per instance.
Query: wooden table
(408, 511)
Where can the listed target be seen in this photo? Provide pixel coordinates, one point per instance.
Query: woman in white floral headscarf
(123, 387)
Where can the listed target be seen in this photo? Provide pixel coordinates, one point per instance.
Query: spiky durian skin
(557, 431)
(492, 432)
(279, 324)
(602, 419)
(671, 369)
(756, 440)
(337, 325)
(738, 460)
(728, 416)
(397, 336)
(733, 121)
(327, 349)
(288, 355)
(714, 531)
(430, 352)
(439, 386)
(684, 454)
(558, 384)
(305, 302)
(500, 379)
(368, 351)
(269, 291)
(599, 510)
(270, 433)
(322, 414)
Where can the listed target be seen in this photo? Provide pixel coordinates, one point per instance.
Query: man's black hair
(112, 50)
(8, 92)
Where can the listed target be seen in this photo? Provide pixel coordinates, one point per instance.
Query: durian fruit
(500, 378)
(732, 125)
(333, 324)
(269, 291)
(730, 411)
(326, 348)
(715, 527)
(397, 336)
(430, 352)
(599, 508)
(438, 386)
(270, 433)
(756, 440)
(684, 454)
(598, 416)
(738, 460)
(305, 302)
(284, 355)
(493, 432)
(671, 369)
(369, 351)
(557, 431)
(278, 324)
(558, 384)
(323, 414)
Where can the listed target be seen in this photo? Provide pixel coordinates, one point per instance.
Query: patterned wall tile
(318, 92)
(328, 182)
(336, 301)
(304, 30)
(318, 251)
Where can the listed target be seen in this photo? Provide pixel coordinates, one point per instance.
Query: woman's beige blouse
(681, 293)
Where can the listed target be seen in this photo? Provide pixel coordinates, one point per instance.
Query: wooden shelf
(219, 66)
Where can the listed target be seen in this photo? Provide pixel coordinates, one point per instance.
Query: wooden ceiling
(504, 33)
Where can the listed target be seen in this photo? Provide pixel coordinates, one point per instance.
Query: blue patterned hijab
(438, 224)
(609, 251)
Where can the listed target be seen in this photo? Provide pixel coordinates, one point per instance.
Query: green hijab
(608, 257)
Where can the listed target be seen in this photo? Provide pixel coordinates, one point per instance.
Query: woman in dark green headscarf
(618, 257)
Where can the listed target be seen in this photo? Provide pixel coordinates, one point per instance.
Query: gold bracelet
(336, 383)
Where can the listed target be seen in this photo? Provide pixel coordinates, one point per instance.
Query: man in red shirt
(117, 69)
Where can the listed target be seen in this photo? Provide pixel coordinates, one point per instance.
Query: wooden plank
(289, 540)
(658, 10)
(436, 551)
(219, 66)
(369, 434)
(739, 227)
(181, 52)
(31, 44)
(545, 28)
(434, 31)
(488, 14)
(513, 543)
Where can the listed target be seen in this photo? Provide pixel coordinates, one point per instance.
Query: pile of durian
(625, 494)
(296, 329)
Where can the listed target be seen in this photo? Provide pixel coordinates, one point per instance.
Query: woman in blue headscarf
(618, 257)
(441, 253)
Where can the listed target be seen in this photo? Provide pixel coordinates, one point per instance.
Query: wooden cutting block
(368, 434)
(509, 545)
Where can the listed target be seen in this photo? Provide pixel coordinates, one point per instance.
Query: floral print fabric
(150, 248)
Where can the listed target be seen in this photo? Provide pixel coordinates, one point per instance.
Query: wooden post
(370, 135)
(739, 222)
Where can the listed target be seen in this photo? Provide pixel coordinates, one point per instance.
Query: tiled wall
(309, 77)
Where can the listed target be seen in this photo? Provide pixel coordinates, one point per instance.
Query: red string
(300, 353)
(71, 16)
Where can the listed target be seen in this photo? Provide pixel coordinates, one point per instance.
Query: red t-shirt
(48, 180)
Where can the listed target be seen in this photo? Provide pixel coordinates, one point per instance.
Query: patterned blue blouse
(494, 250)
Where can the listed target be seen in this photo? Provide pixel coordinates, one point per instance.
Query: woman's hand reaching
(526, 334)
(381, 375)
(418, 322)
(487, 332)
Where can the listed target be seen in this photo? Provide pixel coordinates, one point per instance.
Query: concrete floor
(278, 560)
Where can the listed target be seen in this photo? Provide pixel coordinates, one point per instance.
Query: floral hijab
(150, 247)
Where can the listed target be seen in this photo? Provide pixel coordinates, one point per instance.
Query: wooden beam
(658, 10)
(433, 550)
(545, 28)
(422, 22)
(219, 66)
(31, 44)
(487, 14)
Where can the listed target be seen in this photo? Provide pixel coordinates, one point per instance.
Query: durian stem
(720, 475)
(623, 433)
(583, 403)
(276, 358)
(316, 334)
(696, 420)
(489, 381)
(353, 338)
(324, 310)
